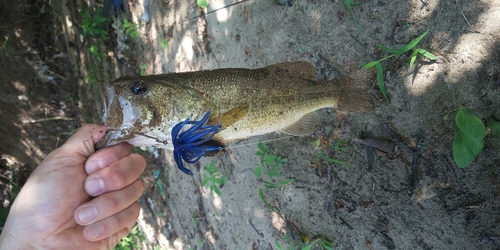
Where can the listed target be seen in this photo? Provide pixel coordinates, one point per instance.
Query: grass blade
(261, 194)
(348, 4)
(380, 80)
(404, 49)
(370, 65)
(427, 54)
(413, 57)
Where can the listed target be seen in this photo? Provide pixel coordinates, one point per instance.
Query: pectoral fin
(305, 126)
(230, 117)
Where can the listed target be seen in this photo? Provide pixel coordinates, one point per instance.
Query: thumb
(83, 140)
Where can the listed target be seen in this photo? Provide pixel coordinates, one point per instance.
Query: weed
(340, 145)
(130, 29)
(194, 220)
(96, 52)
(92, 76)
(92, 28)
(202, 3)
(270, 165)
(214, 178)
(494, 127)
(469, 139)
(160, 182)
(91, 25)
(143, 68)
(398, 52)
(164, 43)
(131, 241)
(4, 46)
(321, 242)
(348, 4)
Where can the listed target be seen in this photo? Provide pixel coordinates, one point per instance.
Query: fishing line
(212, 11)
(255, 143)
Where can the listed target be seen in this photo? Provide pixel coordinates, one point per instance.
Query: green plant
(398, 52)
(270, 164)
(130, 29)
(160, 181)
(4, 46)
(340, 145)
(164, 43)
(321, 242)
(202, 3)
(214, 178)
(469, 139)
(143, 68)
(348, 4)
(91, 25)
(92, 76)
(131, 241)
(494, 127)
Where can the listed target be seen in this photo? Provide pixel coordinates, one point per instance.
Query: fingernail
(87, 214)
(93, 166)
(94, 231)
(94, 186)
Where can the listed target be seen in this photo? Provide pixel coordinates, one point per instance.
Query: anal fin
(305, 126)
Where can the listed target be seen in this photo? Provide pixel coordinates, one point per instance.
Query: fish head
(139, 112)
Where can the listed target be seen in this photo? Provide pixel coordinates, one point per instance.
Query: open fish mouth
(120, 115)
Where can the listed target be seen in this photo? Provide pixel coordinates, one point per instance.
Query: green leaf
(215, 189)
(404, 49)
(202, 3)
(462, 154)
(469, 139)
(204, 181)
(308, 247)
(370, 65)
(348, 4)
(427, 54)
(218, 181)
(258, 170)
(494, 126)
(469, 124)
(380, 80)
(413, 57)
(269, 159)
(273, 172)
(278, 245)
(285, 182)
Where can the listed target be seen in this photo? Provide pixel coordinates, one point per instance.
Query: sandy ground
(355, 206)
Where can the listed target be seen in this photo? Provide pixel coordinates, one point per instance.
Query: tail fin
(353, 94)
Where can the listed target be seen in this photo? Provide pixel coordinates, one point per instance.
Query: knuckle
(119, 179)
(113, 203)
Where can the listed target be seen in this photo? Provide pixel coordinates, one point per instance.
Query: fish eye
(138, 87)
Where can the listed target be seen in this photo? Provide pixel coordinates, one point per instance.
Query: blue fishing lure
(188, 145)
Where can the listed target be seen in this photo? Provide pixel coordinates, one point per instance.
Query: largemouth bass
(233, 103)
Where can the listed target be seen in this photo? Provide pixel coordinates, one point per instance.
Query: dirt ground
(384, 202)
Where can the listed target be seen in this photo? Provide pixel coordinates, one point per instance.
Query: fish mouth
(119, 115)
(123, 119)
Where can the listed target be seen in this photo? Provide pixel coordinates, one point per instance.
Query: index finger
(83, 140)
(106, 156)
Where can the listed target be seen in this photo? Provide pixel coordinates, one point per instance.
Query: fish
(197, 113)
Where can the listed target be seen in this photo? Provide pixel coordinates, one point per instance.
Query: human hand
(76, 199)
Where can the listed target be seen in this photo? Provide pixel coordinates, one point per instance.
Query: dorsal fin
(302, 70)
(305, 126)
